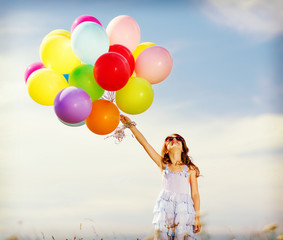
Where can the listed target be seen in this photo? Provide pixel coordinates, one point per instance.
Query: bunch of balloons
(77, 68)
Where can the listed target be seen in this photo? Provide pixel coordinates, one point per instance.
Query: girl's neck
(175, 157)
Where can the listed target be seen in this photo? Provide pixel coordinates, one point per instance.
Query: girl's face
(174, 142)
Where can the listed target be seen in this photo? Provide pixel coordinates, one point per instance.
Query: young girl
(176, 213)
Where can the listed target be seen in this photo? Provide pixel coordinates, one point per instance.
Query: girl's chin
(175, 146)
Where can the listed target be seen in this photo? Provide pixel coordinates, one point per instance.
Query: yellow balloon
(57, 32)
(60, 32)
(142, 47)
(44, 84)
(56, 53)
(136, 97)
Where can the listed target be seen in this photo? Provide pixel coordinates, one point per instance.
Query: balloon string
(119, 134)
(110, 96)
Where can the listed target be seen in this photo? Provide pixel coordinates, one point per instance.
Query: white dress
(174, 213)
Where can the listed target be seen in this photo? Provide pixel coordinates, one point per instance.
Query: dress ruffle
(174, 209)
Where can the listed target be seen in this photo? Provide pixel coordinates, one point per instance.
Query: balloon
(58, 32)
(72, 105)
(154, 64)
(104, 117)
(56, 53)
(82, 77)
(31, 68)
(89, 41)
(111, 71)
(84, 18)
(124, 30)
(142, 47)
(125, 52)
(73, 124)
(136, 97)
(44, 84)
(66, 76)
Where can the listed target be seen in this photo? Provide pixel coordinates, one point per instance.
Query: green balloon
(136, 97)
(82, 77)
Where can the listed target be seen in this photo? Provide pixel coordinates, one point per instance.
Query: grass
(269, 232)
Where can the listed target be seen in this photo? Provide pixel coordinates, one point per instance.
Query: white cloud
(224, 135)
(260, 18)
(51, 170)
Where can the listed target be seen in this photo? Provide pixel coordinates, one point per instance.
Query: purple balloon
(72, 105)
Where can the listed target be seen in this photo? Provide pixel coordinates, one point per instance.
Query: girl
(176, 213)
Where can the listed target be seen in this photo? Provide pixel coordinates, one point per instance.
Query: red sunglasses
(170, 139)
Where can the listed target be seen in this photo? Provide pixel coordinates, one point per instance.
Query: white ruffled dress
(174, 212)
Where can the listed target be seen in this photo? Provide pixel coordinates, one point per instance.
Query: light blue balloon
(73, 124)
(89, 41)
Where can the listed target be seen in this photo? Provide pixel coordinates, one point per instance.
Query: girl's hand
(124, 119)
(197, 226)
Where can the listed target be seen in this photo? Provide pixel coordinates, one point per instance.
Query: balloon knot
(109, 96)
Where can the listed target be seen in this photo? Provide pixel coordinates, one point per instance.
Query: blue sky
(224, 95)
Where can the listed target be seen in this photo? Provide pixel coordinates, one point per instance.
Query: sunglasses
(170, 139)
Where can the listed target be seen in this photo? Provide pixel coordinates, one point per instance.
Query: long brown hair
(186, 159)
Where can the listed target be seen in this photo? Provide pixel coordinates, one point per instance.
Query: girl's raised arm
(142, 140)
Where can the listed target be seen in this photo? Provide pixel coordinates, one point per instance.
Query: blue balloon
(89, 41)
(66, 76)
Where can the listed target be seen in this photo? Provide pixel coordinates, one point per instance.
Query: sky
(224, 95)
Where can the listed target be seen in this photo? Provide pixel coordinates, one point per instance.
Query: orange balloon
(104, 117)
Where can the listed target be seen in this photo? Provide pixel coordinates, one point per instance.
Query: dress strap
(186, 170)
(166, 171)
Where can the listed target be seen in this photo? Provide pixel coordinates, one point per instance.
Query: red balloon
(111, 71)
(124, 51)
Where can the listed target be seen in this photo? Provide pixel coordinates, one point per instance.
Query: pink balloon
(84, 18)
(154, 64)
(124, 30)
(31, 68)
